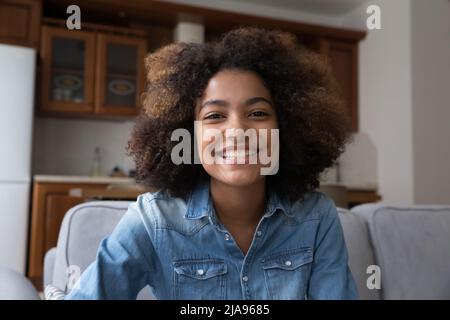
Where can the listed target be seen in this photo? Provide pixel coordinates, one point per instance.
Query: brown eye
(213, 116)
(259, 114)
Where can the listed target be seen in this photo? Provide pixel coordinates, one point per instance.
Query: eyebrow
(223, 103)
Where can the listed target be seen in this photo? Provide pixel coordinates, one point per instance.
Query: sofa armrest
(49, 266)
(14, 286)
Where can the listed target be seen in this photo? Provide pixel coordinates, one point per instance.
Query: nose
(236, 121)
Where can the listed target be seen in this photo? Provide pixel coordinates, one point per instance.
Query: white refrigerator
(17, 77)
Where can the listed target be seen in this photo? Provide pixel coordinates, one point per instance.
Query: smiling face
(235, 100)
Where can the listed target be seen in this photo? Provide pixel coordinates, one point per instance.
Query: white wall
(187, 31)
(385, 95)
(66, 146)
(431, 100)
(405, 97)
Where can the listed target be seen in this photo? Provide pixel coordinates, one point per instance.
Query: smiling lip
(231, 155)
(233, 152)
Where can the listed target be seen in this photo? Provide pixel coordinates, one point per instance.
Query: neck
(239, 206)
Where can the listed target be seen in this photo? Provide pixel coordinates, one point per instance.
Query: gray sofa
(410, 246)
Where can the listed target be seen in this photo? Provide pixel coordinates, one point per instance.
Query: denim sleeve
(123, 263)
(331, 277)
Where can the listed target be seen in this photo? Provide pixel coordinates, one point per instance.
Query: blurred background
(69, 97)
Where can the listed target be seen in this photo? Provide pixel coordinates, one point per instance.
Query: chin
(239, 176)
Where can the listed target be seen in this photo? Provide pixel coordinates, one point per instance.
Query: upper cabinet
(67, 70)
(20, 22)
(343, 58)
(91, 73)
(120, 76)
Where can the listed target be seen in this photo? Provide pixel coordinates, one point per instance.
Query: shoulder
(159, 210)
(313, 205)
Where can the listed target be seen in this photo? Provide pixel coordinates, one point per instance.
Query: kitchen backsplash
(358, 165)
(66, 146)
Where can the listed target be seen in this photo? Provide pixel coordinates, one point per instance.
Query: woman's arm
(330, 275)
(124, 263)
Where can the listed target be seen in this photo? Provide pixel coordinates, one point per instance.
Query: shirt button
(227, 236)
(200, 272)
(259, 233)
(288, 263)
(245, 278)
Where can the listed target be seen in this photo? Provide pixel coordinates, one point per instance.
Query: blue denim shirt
(182, 251)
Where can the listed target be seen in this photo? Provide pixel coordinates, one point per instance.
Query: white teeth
(238, 154)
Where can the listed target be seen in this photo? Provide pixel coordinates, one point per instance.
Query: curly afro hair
(312, 121)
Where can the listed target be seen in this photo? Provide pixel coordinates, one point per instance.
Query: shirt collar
(275, 202)
(200, 205)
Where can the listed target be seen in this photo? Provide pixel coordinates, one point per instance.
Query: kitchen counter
(353, 186)
(82, 179)
(127, 180)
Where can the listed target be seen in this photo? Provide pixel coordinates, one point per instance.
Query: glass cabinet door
(67, 70)
(120, 74)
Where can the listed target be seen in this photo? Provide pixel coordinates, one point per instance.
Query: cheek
(267, 137)
(205, 140)
(208, 141)
(201, 139)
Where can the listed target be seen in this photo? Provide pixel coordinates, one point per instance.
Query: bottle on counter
(96, 168)
(117, 172)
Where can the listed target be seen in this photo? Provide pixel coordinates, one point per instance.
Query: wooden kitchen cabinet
(91, 73)
(119, 84)
(358, 196)
(67, 70)
(20, 22)
(343, 58)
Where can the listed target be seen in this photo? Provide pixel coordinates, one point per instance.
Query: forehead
(228, 84)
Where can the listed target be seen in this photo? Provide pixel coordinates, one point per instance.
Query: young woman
(222, 229)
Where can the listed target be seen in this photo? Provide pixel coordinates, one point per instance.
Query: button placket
(249, 257)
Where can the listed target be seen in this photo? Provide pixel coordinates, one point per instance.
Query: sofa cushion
(412, 248)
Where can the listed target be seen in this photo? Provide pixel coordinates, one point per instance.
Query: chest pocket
(203, 279)
(287, 273)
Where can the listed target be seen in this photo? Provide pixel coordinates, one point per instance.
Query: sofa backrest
(412, 248)
(82, 229)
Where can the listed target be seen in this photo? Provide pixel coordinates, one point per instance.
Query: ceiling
(327, 7)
